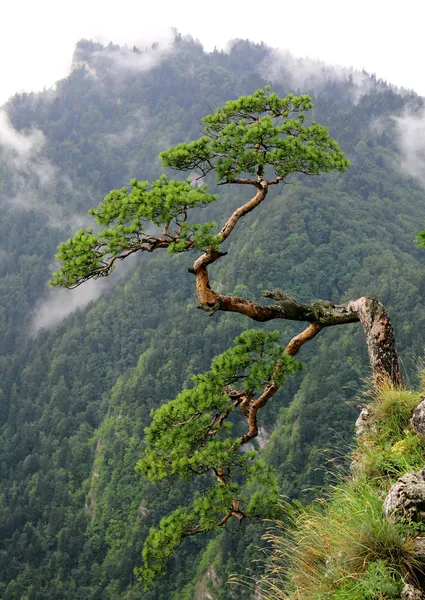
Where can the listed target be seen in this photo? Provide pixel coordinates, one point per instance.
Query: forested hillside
(77, 390)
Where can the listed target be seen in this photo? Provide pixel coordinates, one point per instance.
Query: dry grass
(333, 543)
(343, 548)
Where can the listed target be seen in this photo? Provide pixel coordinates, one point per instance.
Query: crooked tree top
(249, 135)
(246, 141)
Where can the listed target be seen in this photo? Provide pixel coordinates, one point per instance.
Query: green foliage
(339, 549)
(392, 409)
(162, 543)
(390, 446)
(378, 582)
(206, 515)
(192, 435)
(420, 239)
(163, 203)
(345, 548)
(187, 435)
(244, 136)
(257, 132)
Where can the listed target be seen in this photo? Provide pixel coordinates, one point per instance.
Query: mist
(19, 145)
(410, 136)
(121, 60)
(60, 303)
(307, 74)
(139, 124)
(23, 155)
(37, 184)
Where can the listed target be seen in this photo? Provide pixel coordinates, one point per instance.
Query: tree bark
(370, 312)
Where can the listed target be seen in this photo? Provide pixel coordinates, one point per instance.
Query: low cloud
(95, 57)
(131, 61)
(35, 182)
(22, 152)
(308, 74)
(138, 126)
(60, 303)
(16, 144)
(410, 134)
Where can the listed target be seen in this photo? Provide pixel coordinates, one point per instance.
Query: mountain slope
(75, 399)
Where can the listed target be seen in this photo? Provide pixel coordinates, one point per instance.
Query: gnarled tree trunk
(370, 312)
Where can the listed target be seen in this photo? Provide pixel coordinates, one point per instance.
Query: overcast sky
(37, 38)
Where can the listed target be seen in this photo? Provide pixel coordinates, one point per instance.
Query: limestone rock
(364, 425)
(365, 428)
(202, 590)
(419, 543)
(355, 467)
(143, 510)
(418, 419)
(407, 497)
(411, 593)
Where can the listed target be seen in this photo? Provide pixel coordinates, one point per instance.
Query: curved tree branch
(370, 312)
(272, 387)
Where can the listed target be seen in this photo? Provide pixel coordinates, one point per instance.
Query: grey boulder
(411, 593)
(418, 419)
(406, 498)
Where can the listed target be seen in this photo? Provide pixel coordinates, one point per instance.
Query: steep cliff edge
(366, 541)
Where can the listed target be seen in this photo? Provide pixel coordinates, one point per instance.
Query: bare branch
(303, 337)
(243, 181)
(370, 312)
(269, 391)
(275, 181)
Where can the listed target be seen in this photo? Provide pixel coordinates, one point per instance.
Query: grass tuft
(332, 546)
(392, 410)
(391, 448)
(343, 548)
